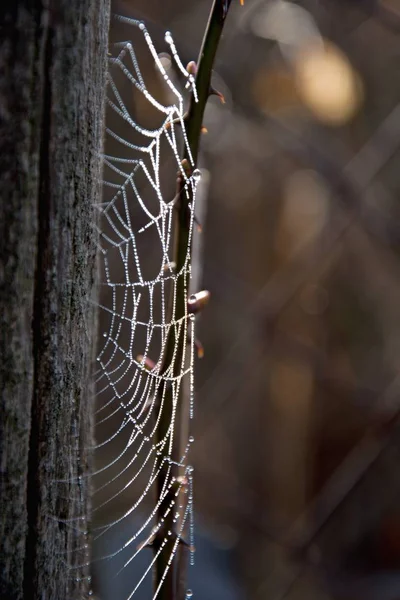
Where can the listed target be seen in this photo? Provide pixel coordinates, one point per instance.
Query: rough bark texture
(52, 65)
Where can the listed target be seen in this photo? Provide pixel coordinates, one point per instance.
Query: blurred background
(297, 444)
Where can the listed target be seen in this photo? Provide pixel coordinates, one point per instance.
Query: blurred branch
(332, 514)
(348, 184)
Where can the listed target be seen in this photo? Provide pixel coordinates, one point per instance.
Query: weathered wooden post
(52, 81)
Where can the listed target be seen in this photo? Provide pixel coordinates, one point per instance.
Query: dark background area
(297, 445)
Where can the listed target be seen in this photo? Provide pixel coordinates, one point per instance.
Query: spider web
(145, 138)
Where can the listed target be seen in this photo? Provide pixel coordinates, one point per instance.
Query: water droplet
(142, 26)
(104, 335)
(191, 439)
(189, 469)
(168, 37)
(189, 594)
(196, 175)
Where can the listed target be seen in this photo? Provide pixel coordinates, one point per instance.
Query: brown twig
(166, 574)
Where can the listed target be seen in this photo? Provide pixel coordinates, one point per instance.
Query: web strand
(138, 306)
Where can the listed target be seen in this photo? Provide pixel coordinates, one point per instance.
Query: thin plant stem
(166, 575)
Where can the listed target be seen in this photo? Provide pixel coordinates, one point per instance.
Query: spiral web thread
(138, 307)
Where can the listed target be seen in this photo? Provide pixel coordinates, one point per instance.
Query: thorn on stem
(169, 267)
(147, 543)
(146, 362)
(182, 480)
(226, 6)
(191, 67)
(214, 92)
(198, 301)
(198, 224)
(183, 542)
(200, 348)
(186, 167)
(176, 121)
(198, 345)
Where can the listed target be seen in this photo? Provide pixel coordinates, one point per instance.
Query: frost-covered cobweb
(135, 388)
